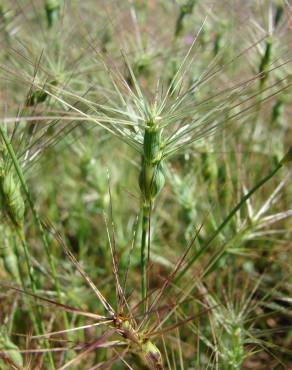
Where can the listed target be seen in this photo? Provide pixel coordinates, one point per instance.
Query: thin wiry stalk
(144, 243)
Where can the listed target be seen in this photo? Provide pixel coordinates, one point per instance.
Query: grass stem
(144, 240)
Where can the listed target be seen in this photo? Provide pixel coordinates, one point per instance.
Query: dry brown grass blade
(57, 304)
(178, 324)
(12, 365)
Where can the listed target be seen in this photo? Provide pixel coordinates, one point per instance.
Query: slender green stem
(144, 239)
(29, 266)
(34, 311)
(228, 218)
(34, 286)
(36, 321)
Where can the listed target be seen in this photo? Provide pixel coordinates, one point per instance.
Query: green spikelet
(11, 202)
(151, 179)
(185, 9)
(40, 96)
(278, 111)
(218, 43)
(142, 66)
(209, 167)
(13, 199)
(10, 351)
(151, 355)
(52, 8)
(36, 98)
(152, 142)
(278, 14)
(8, 254)
(235, 350)
(265, 61)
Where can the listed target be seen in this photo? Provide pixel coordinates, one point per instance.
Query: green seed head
(152, 145)
(11, 202)
(185, 9)
(11, 350)
(36, 98)
(278, 110)
(52, 8)
(7, 253)
(209, 167)
(278, 14)
(40, 96)
(265, 61)
(151, 181)
(142, 66)
(152, 355)
(235, 354)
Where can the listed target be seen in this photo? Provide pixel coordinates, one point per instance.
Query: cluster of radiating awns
(152, 178)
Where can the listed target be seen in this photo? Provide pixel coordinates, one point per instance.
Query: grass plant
(145, 198)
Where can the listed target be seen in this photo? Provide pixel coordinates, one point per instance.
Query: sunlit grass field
(145, 184)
